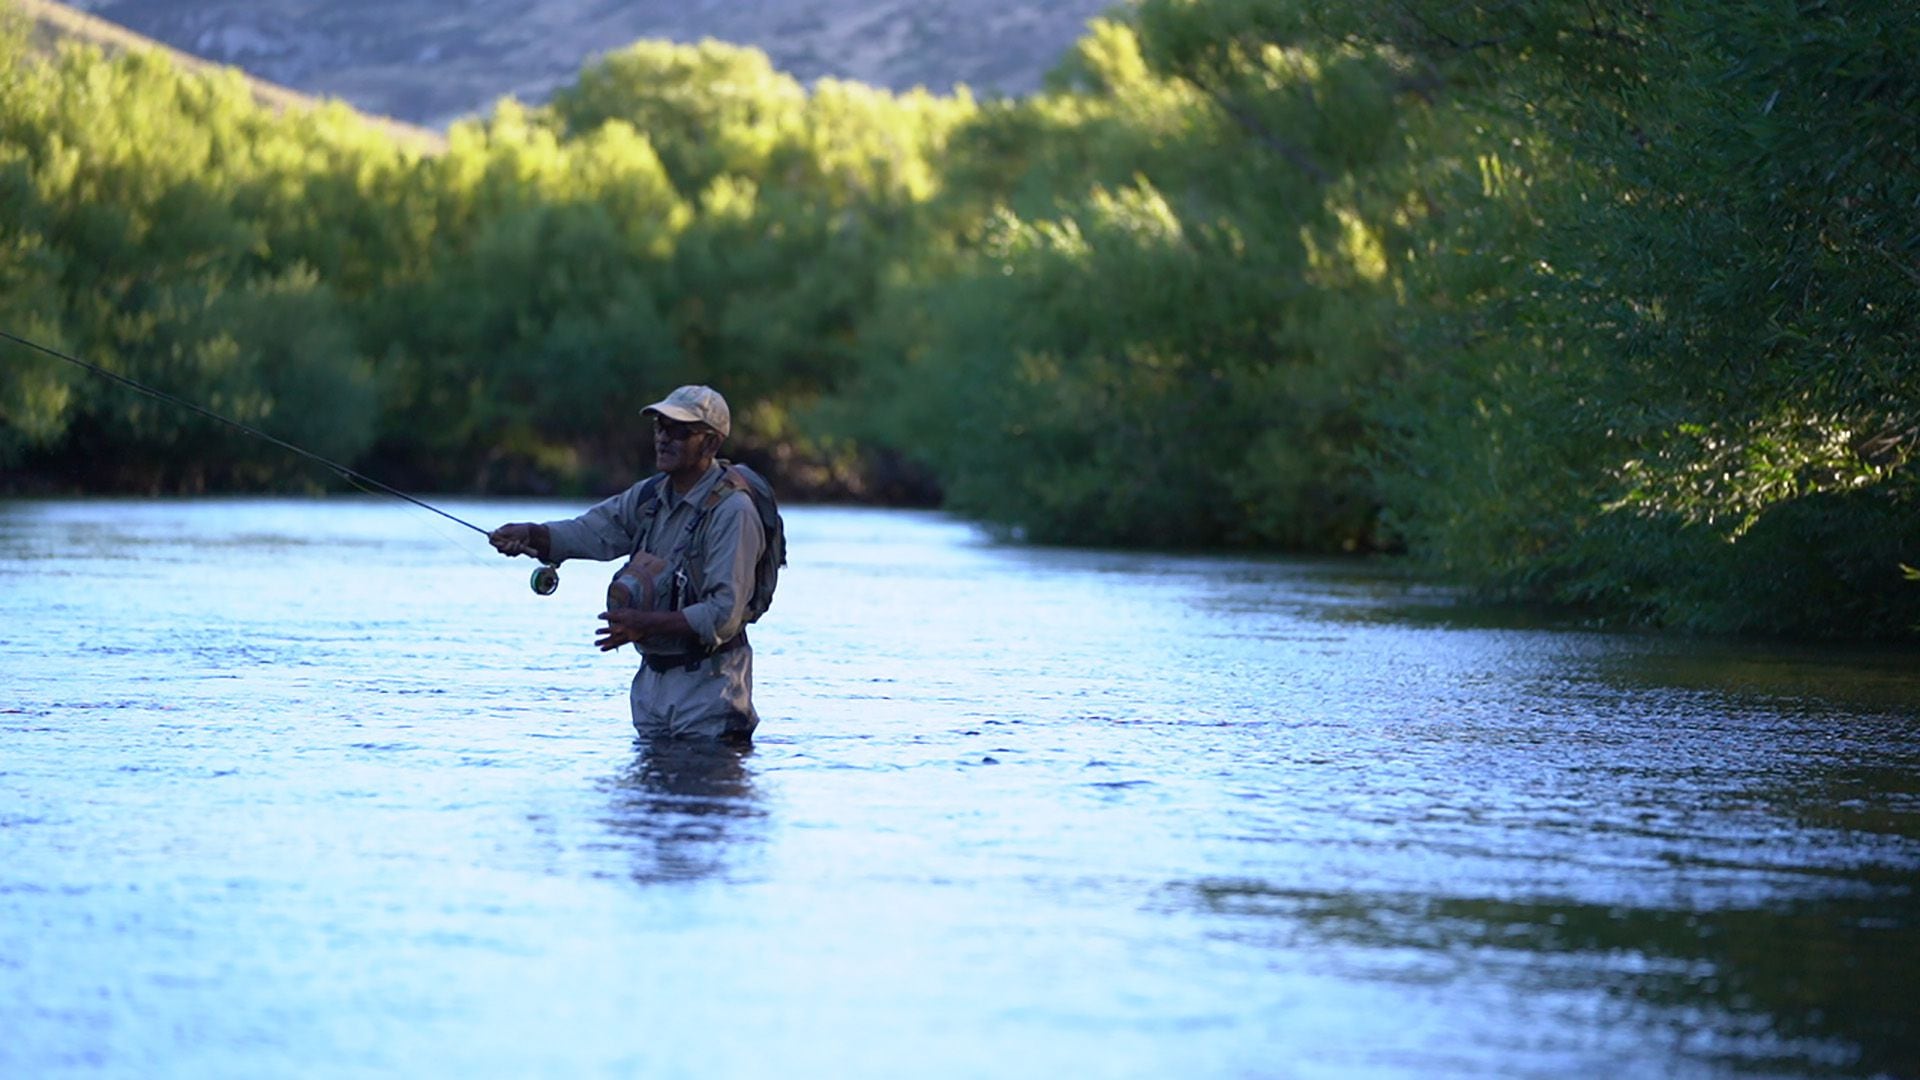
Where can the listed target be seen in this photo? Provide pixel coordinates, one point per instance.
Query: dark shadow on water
(1830, 979)
(1877, 798)
(1878, 677)
(685, 809)
(1882, 679)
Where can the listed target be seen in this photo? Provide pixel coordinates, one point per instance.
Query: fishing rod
(544, 581)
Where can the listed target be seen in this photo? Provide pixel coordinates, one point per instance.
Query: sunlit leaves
(1600, 303)
(1705, 367)
(708, 109)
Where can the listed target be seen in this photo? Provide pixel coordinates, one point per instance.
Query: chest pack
(773, 556)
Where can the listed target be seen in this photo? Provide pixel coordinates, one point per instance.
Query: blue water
(319, 788)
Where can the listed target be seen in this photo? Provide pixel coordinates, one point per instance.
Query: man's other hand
(624, 627)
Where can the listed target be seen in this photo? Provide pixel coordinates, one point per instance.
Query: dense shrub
(1605, 305)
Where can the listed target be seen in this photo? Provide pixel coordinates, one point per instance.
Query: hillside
(429, 62)
(51, 23)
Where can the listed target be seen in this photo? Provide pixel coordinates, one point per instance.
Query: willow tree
(1663, 361)
(137, 236)
(1155, 329)
(511, 353)
(800, 201)
(710, 110)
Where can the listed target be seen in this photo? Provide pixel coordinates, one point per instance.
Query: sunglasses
(675, 430)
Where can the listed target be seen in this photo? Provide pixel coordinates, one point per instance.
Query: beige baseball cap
(695, 405)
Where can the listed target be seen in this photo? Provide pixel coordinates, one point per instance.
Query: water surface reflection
(1807, 987)
(685, 809)
(342, 797)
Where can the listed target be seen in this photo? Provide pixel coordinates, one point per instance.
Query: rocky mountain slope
(431, 61)
(50, 24)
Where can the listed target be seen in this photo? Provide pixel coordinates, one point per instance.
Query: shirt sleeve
(606, 531)
(735, 539)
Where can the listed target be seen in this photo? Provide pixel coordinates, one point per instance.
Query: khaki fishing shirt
(716, 552)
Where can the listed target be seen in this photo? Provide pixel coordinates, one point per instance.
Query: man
(692, 537)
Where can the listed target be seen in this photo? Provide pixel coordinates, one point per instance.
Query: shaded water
(320, 788)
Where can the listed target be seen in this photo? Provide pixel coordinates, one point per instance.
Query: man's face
(675, 443)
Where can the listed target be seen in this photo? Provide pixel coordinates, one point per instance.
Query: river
(320, 788)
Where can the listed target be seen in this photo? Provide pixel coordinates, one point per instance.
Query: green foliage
(36, 394)
(1603, 305)
(1696, 403)
(559, 311)
(144, 206)
(281, 358)
(710, 110)
(1148, 329)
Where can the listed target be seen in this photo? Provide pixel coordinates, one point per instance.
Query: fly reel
(545, 579)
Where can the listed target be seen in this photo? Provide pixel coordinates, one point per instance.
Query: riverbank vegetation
(1618, 308)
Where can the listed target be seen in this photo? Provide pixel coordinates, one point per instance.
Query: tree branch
(1292, 154)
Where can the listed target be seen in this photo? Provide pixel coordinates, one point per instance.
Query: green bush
(1597, 305)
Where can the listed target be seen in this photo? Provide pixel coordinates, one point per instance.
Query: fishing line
(544, 580)
(350, 474)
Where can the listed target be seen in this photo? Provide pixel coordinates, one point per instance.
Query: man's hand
(520, 538)
(626, 625)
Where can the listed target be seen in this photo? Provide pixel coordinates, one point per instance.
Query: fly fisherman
(692, 536)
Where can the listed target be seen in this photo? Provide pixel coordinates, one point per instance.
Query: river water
(319, 788)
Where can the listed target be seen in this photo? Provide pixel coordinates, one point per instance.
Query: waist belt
(691, 660)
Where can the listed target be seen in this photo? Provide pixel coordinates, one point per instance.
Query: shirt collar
(696, 494)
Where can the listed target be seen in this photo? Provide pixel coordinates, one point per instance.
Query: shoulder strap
(649, 506)
(730, 482)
